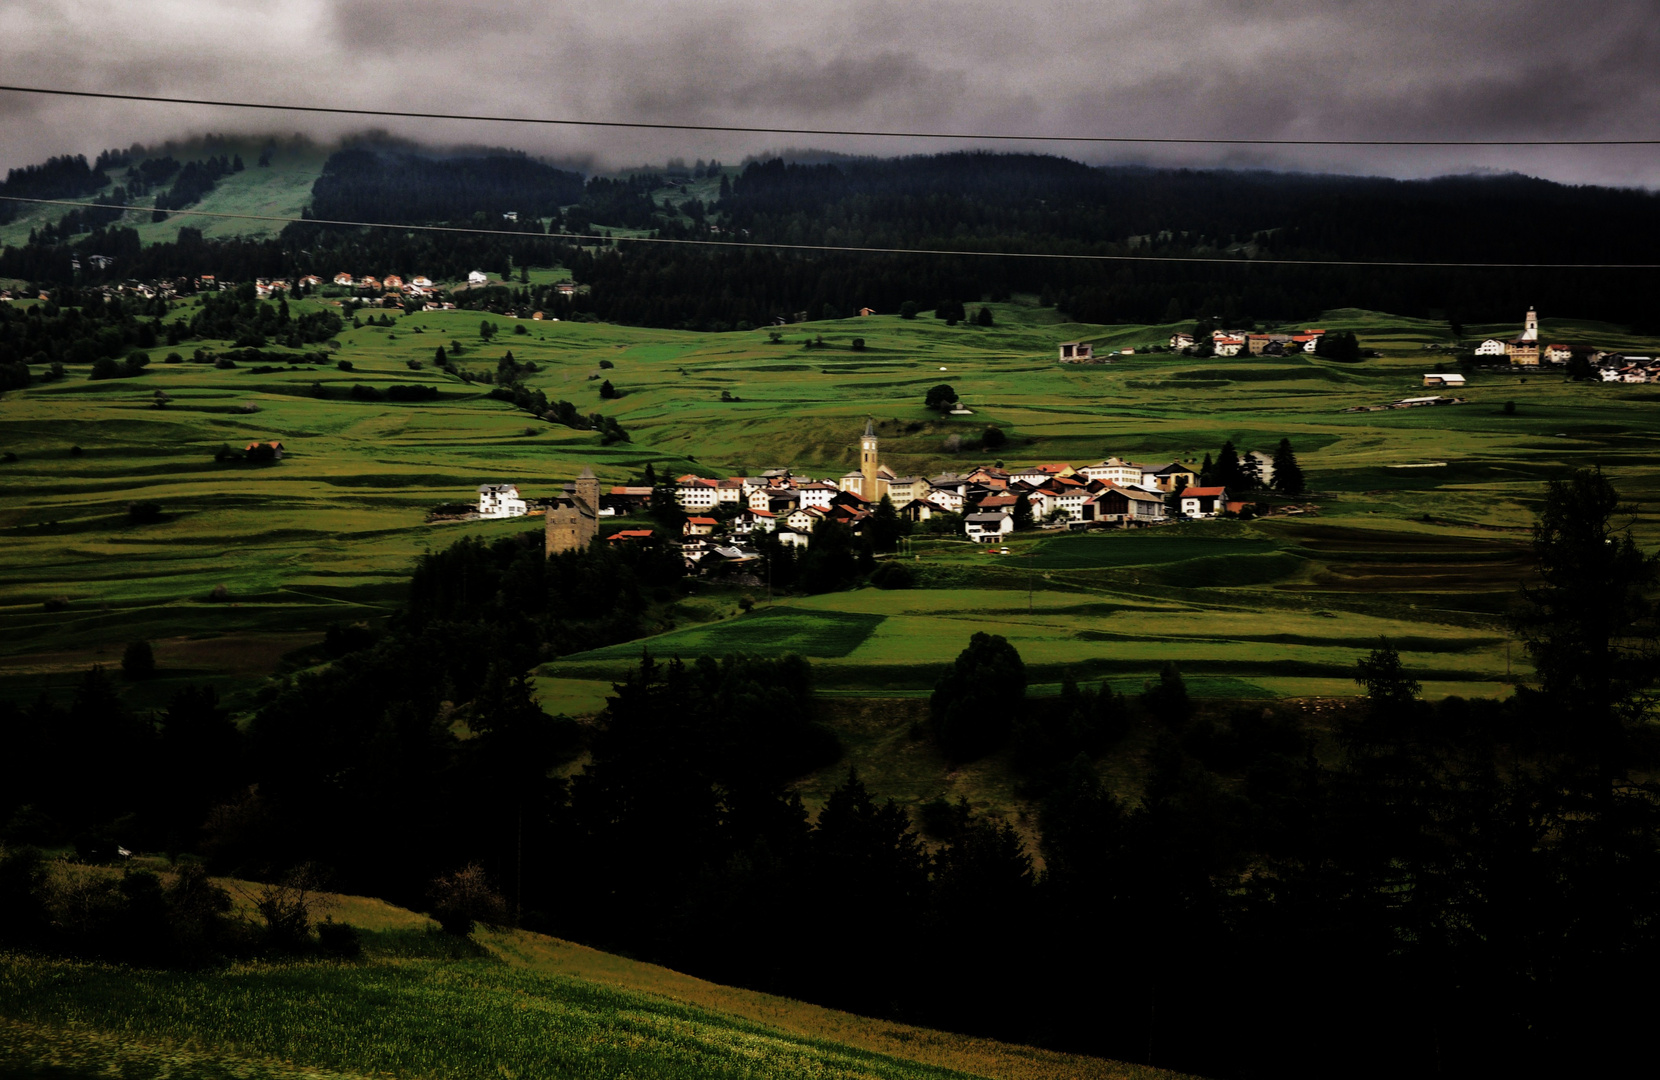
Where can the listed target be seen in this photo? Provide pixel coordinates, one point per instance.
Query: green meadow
(422, 1004)
(1419, 531)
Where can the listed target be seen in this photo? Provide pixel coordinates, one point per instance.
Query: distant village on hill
(722, 519)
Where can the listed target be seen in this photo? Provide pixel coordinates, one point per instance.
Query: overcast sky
(1260, 68)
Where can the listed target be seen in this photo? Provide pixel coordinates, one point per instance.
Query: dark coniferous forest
(968, 202)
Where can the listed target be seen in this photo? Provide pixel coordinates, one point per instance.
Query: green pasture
(1429, 555)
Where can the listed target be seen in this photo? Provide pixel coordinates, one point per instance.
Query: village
(724, 518)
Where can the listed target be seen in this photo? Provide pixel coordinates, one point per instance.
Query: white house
(1491, 347)
(730, 491)
(988, 528)
(816, 495)
(1229, 346)
(791, 538)
(1203, 502)
(343, 279)
(1077, 350)
(1181, 340)
(751, 521)
(803, 518)
(695, 493)
(478, 277)
(500, 501)
(1115, 470)
(1558, 354)
(421, 282)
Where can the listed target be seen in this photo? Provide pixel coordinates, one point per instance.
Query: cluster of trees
(1462, 886)
(1243, 473)
(66, 177)
(405, 187)
(195, 180)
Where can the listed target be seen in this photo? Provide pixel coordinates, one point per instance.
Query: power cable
(849, 249)
(833, 132)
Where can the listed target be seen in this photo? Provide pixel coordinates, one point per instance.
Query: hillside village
(725, 517)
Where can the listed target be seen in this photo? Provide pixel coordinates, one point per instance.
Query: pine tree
(1022, 512)
(1227, 473)
(1288, 475)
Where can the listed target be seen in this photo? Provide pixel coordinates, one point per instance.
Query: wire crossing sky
(973, 136)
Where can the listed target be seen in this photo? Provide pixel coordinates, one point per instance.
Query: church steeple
(867, 461)
(1530, 329)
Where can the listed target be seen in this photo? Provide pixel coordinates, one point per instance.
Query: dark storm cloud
(1202, 68)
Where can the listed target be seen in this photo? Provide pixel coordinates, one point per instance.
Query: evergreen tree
(975, 703)
(1288, 475)
(885, 527)
(1227, 472)
(1022, 512)
(984, 318)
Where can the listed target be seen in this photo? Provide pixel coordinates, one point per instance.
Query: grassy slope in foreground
(423, 1005)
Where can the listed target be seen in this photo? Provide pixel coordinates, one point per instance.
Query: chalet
(391, 281)
(500, 501)
(272, 448)
(1181, 340)
(791, 538)
(1491, 347)
(630, 536)
(1444, 379)
(1172, 476)
(997, 504)
(369, 283)
(565, 288)
(804, 518)
(1077, 350)
(864, 311)
(421, 282)
(1228, 346)
(988, 528)
(730, 492)
(1558, 354)
(921, 510)
(699, 526)
(1203, 502)
(478, 277)
(311, 281)
(949, 499)
(1038, 474)
(624, 499)
(1129, 506)
(344, 279)
(751, 521)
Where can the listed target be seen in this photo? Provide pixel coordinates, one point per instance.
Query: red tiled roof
(702, 521)
(1203, 492)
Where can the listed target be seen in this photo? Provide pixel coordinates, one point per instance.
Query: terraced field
(1420, 533)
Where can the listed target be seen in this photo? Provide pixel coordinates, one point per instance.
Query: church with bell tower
(871, 481)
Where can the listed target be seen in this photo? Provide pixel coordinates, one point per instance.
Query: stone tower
(573, 520)
(1530, 329)
(867, 462)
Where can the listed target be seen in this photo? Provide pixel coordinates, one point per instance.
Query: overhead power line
(831, 132)
(589, 238)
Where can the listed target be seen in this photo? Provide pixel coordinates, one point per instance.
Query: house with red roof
(1203, 502)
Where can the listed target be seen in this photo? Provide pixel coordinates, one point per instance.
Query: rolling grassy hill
(1429, 555)
(424, 1005)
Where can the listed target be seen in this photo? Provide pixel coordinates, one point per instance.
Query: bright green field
(1430, 556)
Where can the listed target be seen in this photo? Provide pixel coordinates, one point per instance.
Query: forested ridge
(1015, 203)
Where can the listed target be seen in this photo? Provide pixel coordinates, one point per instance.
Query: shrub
(219, 594)
(286, 908)
(893, 575)
(858, 344)
(105, 368)
(76, 451)
(974, 702)
(606, 364)
(1510, 408)
(8, 457)
(465, 897)
(224, 363)
(143, 513)
(172, 358)
(343, 365)
(138, 661)
(339, 940)
(54, 603)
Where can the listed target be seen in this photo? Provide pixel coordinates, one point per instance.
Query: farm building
(500, 501)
